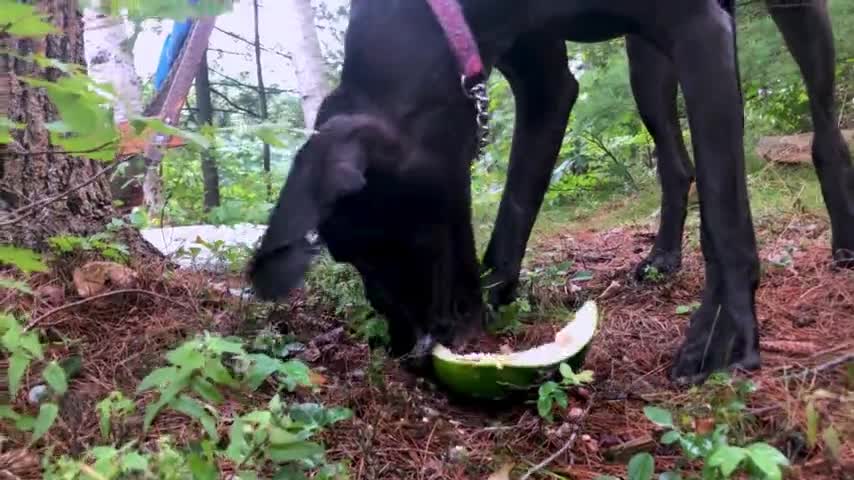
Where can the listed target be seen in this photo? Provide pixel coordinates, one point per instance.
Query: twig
(828, 365)
(99, 148)
(32, 323)
(569, 443)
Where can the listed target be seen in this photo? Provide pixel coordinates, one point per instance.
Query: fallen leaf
(317, 379)
(96, 277)
(503, 473)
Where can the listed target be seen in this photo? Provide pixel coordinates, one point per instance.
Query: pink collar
(459, 35)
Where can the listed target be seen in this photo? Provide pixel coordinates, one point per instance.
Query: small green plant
(720, 460)
(233, 257)
(337, 285)
(553, 393)
(280, 436)
(22, 349)
(687, 309)
(102, 243)
(652, 274)
(198, 366)
(113, 408)
(509, 317)
(370, 327)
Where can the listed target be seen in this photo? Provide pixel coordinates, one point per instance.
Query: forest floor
(407, 428)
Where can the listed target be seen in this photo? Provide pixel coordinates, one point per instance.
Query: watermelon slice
(495, 376)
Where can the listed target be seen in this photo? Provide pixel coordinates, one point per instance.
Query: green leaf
(582, 276)
(767, 459)
(24, 259)
(670, 437)
(44, 420)
(202, 468)
(6, 412)
(30, 27)
(157, 378)
(295, 374)
(270, 137)
(187, 357)
(294, 452)
(812, 425)
(18, 364)
(134, 462)
(207, 390)
(30, 342)
(659, 416)
(684, 309)
(15, 284)
(54, 375)
(104, 422)
(222, 345)
(237, 446)
(261, 418)
(545, 404)
(727, 459)
(670, 476)
(290, 472)
(194, 409)
(566, 371)
(215, 370)
(166, 397)
(25, 423)
(160, 126)
(315, 415)
(641, 467)
(261, 367)
(831, 440)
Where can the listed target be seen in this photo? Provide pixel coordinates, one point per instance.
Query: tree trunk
(31, 169)
(109, 59)
(210, 173)
(262, 98)
(311, 70)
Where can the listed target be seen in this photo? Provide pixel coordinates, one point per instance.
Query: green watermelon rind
(488, 381)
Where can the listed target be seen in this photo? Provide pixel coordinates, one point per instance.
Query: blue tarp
(171, 48)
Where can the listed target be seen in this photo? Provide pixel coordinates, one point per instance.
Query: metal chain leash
(478, 92)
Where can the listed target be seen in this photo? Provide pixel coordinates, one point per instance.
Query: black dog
(806, 28)
(385, 180)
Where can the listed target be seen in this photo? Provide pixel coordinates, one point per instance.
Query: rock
(457, 454)
(37, 394)
(575, 413)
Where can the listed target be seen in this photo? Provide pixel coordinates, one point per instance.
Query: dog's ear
(330, 166)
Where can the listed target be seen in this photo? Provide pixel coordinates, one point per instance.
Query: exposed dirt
(407, 428)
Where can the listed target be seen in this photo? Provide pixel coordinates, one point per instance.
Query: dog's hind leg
(655, 87)
(807, 31)
(544, 89)
(723, 333)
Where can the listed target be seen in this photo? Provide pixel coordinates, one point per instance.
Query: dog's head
(388, 208)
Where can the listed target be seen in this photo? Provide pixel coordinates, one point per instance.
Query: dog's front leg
(544, 89)
(723, 333)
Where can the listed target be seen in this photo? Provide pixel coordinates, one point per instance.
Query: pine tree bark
(210, 172)
(311, 70)
(32, 171)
